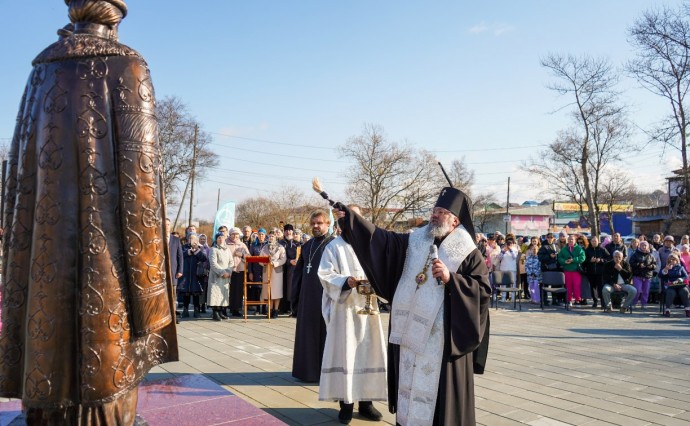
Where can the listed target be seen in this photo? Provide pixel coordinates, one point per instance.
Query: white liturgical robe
(354, 359)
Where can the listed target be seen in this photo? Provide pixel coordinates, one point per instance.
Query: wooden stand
(263, 260)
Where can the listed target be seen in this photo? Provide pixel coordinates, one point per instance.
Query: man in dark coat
(176, 261)
(86, 294)
(548, 256)
(617, 244)
(290, 247)
(439, 332)
(310, 335)
(596, 259)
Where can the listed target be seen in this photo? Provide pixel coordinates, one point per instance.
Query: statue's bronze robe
(86, 305)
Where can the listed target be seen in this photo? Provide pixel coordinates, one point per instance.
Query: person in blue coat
(189, 286)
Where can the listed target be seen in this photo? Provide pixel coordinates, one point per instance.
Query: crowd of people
(642, 272)
(210, 273)
(439, 305)
(315, 279)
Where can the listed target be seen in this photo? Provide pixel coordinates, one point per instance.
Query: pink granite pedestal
(190, 400)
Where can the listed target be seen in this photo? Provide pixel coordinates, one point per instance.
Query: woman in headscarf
(189, 286)
(239, 251)
(221, 261)
(276, 253)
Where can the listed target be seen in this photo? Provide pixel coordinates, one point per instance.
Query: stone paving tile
(637, 413)
(496, 420)
(523, 416)
(545, 421)
(545, 368)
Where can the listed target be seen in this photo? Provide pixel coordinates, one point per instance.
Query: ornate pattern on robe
(87, 294)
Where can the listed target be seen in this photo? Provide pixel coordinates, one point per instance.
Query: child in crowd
(533, 268)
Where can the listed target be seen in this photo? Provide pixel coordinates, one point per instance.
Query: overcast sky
(280, 84)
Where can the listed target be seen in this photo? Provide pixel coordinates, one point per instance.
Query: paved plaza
(545, 368)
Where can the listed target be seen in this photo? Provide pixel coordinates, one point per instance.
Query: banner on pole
(225, 216)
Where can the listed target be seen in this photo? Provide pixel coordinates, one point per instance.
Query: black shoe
(367, 409)
(177, 320)
(185, 313)
(216, 316)
(222, 315)
(595, 304)
(345, 414)
(197, 312)
(203, 308)
(224, 311)
(236, 313)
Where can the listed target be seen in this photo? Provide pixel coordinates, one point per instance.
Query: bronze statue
(87, 304)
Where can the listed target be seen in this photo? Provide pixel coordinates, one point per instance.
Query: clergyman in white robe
(354, 359)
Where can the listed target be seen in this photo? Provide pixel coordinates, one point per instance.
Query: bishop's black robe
(310, 336)
(466, 316)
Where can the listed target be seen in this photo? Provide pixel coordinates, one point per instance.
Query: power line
(491, 149)
(272, 176)
(262, 163)
(268, 141)
(237, 186)
(279, 154)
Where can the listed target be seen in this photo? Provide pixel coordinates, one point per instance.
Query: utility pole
(507, 207)
(218, 201)
(184, 197)
(191, 193)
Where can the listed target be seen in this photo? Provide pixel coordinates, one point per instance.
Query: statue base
(184, 400)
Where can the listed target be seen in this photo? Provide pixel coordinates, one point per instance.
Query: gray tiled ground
(545, 368)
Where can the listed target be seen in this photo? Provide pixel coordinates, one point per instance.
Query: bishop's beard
(440, 230)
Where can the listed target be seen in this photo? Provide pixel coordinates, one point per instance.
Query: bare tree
(4, 149)
(662, 39)
(255, 211)
(655, 198)
(287, 205)
(616, 189)
(575, 162)
(387, 179)
(482, 210)
(461, 176)
(176, 131)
